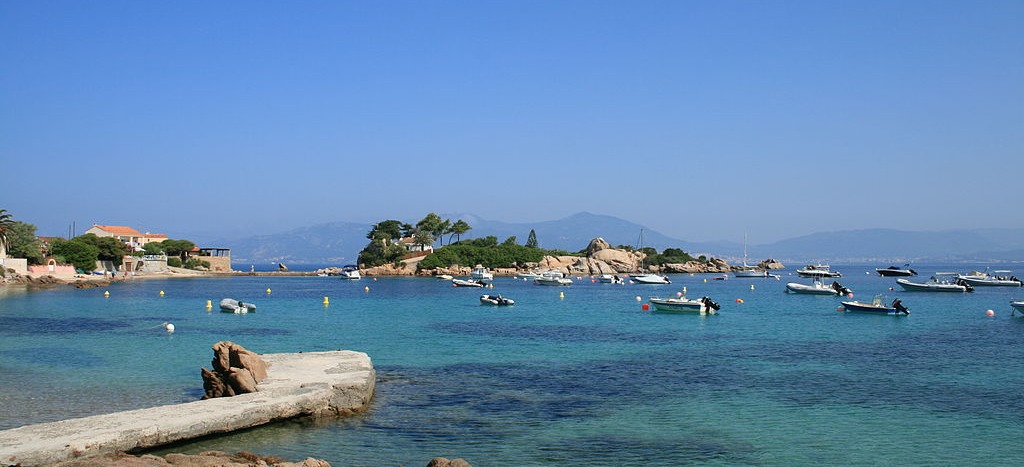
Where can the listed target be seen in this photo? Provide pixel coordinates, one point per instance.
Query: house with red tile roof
(131, 237)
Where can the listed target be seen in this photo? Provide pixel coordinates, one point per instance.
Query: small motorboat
(894, 271)
(481, 274)
(468, 283)
(1000, 278)
(528, 275)
(609, 279)
(497, 300)
(938, 283)
(818, 270)
(649, 278)
(703, 305)
(230, 305)
(818, 288)
(350, 272)
(877, 306)
(552, 278)
(1018, 305)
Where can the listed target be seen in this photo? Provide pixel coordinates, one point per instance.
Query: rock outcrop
(236, 370)
(204, 459)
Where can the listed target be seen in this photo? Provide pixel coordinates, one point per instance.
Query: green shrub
(174, 262)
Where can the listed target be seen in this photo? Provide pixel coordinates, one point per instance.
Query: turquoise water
(588, 379)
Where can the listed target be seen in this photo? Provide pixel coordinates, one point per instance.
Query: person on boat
(898, 305)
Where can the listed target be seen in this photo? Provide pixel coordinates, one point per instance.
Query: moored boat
(230, 305)
(894, 271)
(1001, 278)
(818, 288)
(650, 278)
(553, 278)
(468, 283)
(350, 272)
(703, 305)
(609, 279)
(818, 270)
(876, 306)
(497, 300)
(940, 282)
(1018, 305)
(480, 273)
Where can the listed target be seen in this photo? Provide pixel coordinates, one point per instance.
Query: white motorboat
(468, 283)
(496, 300)
(528, 276)
(350, 272)
(609, 279)
(1018, 305)
(230, 305)
(894, 271)
(553, 278)
(703, 305)
(817, 288)
(818, 270)
(1000, 278)
(481, 273)
(650, 278)
(940, 282)
(877, 306)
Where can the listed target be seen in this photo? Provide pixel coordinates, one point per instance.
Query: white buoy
(168, 327)
(751, 286)
(638, 298)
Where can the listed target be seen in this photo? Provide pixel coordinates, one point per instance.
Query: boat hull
(931, 286)
(680, 305)
(858, 307)
(465, 283)
(554, 282)
(754, 275)
(496, 300)
(991, 282)
(816, 289)
(651, 279)
(887, 272)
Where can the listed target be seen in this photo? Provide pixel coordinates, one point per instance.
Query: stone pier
(298, 384)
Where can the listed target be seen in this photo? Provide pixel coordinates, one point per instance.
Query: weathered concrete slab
(314, 383)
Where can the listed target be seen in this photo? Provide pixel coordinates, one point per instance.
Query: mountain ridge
(340, 242)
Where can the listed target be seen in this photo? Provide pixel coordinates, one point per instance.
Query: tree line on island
(388, 240)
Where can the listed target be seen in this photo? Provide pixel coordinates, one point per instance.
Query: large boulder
(236, 370)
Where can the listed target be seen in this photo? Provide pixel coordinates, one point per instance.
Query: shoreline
(318, 384)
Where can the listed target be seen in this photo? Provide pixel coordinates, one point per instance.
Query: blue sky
(702, 120)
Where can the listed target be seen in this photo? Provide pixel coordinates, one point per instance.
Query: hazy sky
(700, 119)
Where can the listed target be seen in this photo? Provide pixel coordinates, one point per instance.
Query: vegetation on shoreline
(487, 252)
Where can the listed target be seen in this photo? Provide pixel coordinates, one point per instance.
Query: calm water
(588, 379)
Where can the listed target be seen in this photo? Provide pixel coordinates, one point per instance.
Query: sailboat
(751, 271)
(642, 277)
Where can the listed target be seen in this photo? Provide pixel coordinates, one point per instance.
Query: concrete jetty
(298, 384)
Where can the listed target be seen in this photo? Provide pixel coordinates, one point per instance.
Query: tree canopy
(23, 243)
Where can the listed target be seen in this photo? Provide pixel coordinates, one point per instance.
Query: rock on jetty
(297, 384)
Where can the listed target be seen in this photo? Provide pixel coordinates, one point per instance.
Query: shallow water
(585, 379)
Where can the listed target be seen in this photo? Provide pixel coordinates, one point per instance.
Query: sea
(569, 376)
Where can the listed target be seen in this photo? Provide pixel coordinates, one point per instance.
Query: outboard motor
(839, 288)
(898, 305)
(710, 303)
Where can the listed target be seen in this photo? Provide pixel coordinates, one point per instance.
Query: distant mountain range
(340, 242)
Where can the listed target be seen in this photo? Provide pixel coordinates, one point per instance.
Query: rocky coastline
(598, 258)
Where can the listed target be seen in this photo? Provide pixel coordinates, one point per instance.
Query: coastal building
(131, 237)
(410, 244)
